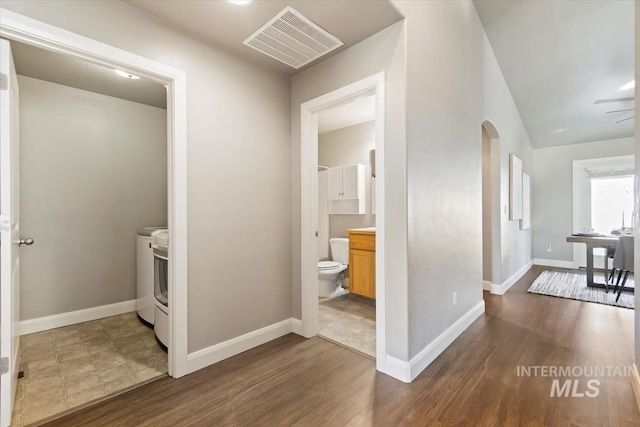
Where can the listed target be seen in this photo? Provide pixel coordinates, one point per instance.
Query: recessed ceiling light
(126, 75)
(559, 130)
(240, 2)
(629, 85)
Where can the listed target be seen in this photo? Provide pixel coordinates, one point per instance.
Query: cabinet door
(350, 182)
(335, 183)
(362, 273)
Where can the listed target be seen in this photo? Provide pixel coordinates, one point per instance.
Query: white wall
(552, 192)
(637, 188)
(238, 159)
(348, 146)
(92, 171)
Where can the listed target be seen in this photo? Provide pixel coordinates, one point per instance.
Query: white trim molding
(486, 285)
(224, 350)
(309, 110)
(553, 263)
(31, 326)
(507, 284)
(635, 383)
(14, 26)
(296, 326)
(408, 371)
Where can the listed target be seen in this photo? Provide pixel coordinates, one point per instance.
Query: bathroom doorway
(35, 34)
(352, 184)
(346, 209)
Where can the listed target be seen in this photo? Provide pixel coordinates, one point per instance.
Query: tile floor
(70, 366)
(349, 320)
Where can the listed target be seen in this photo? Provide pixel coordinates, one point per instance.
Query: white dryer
(161, 285)
(144, 273)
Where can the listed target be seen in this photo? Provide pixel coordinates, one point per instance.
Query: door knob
(28, 241)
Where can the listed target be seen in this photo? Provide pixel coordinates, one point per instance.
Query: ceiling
(227, 25)
(558, 58)
(61, 69)
(361, 110)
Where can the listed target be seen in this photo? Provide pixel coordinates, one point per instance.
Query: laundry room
(93, 197)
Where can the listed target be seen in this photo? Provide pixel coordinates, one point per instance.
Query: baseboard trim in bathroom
(96, 401)
(74, 317)
(368, 356)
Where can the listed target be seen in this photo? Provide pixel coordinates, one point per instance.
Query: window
(611, 203)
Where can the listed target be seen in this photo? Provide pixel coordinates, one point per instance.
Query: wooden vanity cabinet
(362, 262)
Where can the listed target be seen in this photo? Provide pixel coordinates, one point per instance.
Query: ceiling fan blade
(624, 120)
(604, 101)
(619, 111)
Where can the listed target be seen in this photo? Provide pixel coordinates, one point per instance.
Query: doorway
(34, 33)
(346, 211)
(310, 110)
(86, 133)
(491, 223)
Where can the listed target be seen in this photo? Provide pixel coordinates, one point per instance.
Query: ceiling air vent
(292, 38)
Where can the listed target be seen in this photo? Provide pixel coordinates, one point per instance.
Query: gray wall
(552, 192)
(238, 159)
(515, 247)
(384, 51)
(92, 171)
(453, 83)
(349, 146)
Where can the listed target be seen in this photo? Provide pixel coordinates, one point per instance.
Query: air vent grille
(292, 38)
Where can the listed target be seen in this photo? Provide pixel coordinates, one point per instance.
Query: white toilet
(332, 273)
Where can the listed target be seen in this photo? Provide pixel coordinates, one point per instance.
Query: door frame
(373, 85)
(14, 26)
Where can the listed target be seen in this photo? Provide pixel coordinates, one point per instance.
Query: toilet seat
(328, 265)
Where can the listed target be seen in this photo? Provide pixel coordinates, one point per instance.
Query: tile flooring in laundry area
(349, 320)
(70, 366)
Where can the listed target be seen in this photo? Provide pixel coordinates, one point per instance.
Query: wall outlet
(548, 247)
(455, 298)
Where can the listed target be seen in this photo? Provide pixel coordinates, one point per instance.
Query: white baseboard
(507, 284)
(398, 369)
(296, 326)
(216, 353)
(408, 371)
(635, 383)
(486, 285)
(73, 317)
(553, 263)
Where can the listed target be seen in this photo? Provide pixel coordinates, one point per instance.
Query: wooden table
(596, 242)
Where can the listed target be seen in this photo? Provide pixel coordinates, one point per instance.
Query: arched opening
(491, 244)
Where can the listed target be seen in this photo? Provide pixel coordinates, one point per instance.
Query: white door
(350, 182)
(335, 183)
(9, 233)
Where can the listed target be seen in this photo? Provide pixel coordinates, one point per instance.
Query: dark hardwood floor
(294, 381)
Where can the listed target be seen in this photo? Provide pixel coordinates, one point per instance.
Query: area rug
(574, 286)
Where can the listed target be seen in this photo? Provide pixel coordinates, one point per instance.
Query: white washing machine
(161, 285)
(144, 273)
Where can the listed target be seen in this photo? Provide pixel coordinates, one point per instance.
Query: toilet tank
(340, 249)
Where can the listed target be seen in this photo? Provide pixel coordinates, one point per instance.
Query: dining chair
(623, 261)
(611, 251)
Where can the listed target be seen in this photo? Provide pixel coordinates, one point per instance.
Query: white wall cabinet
(346, 189)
